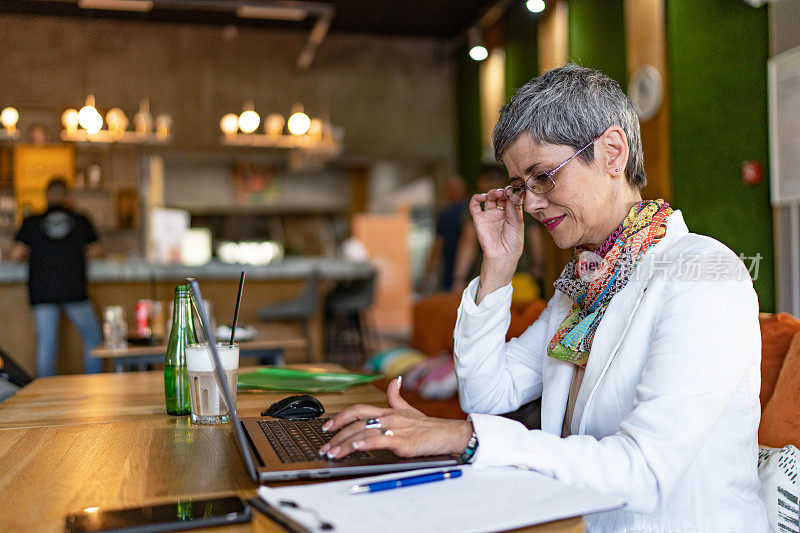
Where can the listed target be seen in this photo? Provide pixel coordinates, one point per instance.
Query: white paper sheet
(482, 499)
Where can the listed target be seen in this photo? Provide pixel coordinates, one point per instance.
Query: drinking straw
(195, 313)
(236, 312)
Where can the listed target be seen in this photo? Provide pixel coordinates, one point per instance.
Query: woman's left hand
(403, 430)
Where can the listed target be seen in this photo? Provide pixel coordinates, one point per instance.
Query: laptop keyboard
(298, 441)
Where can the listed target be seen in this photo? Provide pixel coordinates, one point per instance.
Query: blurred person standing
(448, 231)
(57, 244)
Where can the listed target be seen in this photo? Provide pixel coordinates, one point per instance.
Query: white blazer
(667, 414)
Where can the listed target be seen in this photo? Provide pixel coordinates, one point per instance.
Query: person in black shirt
(57, 243)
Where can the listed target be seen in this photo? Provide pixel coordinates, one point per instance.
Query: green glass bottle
(184, 510)
(176, 376)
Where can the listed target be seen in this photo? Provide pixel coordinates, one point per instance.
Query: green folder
(287, 379)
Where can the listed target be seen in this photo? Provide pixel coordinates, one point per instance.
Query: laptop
(275, 449)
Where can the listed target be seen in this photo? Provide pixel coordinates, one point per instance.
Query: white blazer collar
(609, 336)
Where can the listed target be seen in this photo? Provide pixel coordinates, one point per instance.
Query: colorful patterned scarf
(591, 279)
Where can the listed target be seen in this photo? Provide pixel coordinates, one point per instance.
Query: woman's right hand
(498, 224)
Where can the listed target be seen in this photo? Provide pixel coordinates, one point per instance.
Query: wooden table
(71, 442)
(269, 345)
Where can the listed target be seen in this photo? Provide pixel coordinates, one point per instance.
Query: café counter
(125, 282)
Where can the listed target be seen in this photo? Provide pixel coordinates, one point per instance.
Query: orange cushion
(436, 408)
(780, 423)
(434, 319)
(523, 315)
(777, 332)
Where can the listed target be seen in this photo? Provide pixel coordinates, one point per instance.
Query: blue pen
(405, 481)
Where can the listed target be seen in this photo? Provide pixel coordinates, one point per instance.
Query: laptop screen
(227, 395)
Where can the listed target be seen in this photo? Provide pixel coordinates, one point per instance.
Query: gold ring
(501, 208)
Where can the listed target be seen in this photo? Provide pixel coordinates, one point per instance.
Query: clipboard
(276, 516)
(481, 499)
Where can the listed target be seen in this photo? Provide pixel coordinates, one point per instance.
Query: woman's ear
(612, 152)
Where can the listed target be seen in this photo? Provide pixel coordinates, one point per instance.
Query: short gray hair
(570, 105)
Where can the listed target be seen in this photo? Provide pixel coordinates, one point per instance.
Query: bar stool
(349, 334)
(299, 309)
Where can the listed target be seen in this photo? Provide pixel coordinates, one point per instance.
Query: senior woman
(646, 359)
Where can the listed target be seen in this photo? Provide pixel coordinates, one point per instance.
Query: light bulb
(90, 119)
(229, 124)
(69, 119)
(143, 120)
(299, 122)
(249, 121)
(478, 53)
(274, 124)
(163, 125)
(315, 128)
(117, 121)
(535, 6)
(9, 117)
(95, 124)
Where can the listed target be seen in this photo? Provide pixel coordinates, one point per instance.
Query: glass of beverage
(208, 406)
(115, 330)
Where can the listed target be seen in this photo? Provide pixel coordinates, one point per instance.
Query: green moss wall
(717, 51)
(468, 116)
(596, 36)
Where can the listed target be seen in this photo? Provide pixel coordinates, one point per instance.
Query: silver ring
(373, 423)
(387, 432)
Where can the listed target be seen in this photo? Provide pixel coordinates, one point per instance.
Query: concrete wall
(393, 97)
(784, 25)
(784, 34)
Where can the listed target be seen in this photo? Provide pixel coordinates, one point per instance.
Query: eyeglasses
(538, 183)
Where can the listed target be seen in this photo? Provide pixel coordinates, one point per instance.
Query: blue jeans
(82, 315)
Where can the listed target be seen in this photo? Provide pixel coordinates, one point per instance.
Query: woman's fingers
(393, 397)
(351, 414)
(475, 203)
(490, 203)
(343, 436)
(495, 200)
(369, 439)
(350, 439)
(500, 199)
(407, 437)
(497, 222)
(492, 200)
(388, 420)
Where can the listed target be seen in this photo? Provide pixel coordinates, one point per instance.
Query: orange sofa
(433, 321)
(780, 380)
(434, 318)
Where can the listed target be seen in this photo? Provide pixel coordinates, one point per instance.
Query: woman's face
(581, 208)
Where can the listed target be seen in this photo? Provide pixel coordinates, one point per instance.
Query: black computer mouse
(295, 408)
